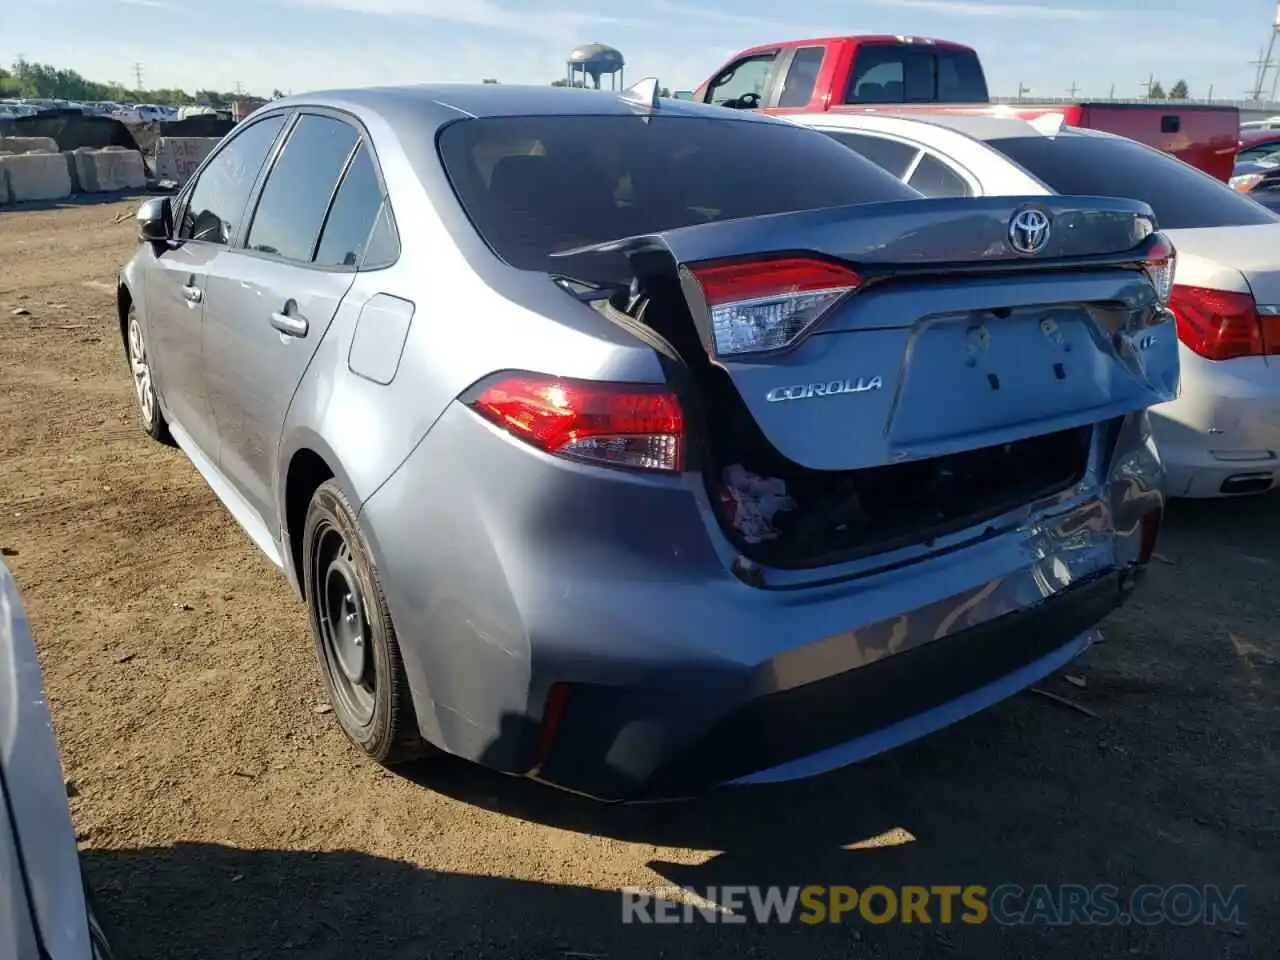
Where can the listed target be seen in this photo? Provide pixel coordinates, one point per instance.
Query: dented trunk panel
(922, 370)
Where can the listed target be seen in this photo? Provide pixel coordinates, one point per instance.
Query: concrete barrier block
(177, 157)
(36, 176)
(105, 171)
(27, 144)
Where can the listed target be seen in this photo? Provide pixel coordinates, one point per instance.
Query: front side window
(743, 84)
(217, 201)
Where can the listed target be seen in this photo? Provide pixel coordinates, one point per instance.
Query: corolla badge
(830, 388)
(1029, 231)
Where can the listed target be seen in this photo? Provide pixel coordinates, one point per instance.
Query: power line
(137, 76)
(1073, 90)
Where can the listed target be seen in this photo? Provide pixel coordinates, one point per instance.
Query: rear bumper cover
(765, 734)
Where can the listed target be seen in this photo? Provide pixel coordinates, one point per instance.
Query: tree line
(44, 81)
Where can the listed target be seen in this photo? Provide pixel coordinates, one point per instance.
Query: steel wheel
(141, 373)
(344, 624)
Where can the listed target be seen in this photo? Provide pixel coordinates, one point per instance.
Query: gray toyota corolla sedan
(639, 446)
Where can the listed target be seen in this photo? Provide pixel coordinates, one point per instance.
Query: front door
(208, 217)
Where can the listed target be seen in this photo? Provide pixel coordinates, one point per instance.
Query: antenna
(643, 94)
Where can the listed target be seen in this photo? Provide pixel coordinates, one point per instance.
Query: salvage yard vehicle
(859, 74)
(45, 912)
(637, 446)
(1221, 437)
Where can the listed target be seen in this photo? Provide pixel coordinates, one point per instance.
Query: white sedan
(1221, 437)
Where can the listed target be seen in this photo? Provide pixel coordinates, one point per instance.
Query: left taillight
(637, 426)
(758, 306)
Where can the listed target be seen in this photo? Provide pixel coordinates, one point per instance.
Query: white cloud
(976, 8)
(544, 24)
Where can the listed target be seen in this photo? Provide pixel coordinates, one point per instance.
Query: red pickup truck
(918, 74)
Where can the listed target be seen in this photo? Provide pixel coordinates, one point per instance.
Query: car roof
(1253, 138)
(976, 126)
(413, 103)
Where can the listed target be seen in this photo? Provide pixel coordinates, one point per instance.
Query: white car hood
(40, 875)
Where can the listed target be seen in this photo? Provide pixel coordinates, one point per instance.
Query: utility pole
(1073, 90)
(1022, 90)
(1148, 83)
(137, 75)
(239, 88)
(1112, 94)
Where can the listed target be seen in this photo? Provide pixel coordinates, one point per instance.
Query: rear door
(270, 303)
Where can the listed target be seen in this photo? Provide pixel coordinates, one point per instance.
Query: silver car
(44, 906)
(640, 446)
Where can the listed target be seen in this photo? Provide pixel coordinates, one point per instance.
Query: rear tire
(356, 644)
(144, 390)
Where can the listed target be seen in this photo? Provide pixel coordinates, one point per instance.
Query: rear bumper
(1222, 435)
(516, 581)
(830, 722)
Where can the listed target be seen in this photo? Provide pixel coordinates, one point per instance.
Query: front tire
(356, 644)
(144, 389)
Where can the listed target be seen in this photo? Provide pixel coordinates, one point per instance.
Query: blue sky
(307, 44)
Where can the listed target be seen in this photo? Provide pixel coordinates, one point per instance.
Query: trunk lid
(955, 340)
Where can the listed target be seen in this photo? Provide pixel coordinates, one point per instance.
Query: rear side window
(299, 187)
(915, 73)
(935, 179)
(890, 155)
(353, 214)
(1264, 152)
(218, 198)
(797, 88)
(533, 186)
(1180, 195)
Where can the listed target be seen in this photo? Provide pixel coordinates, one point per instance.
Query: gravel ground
(221, 814)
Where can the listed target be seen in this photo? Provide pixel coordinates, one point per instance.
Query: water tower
(595, 60)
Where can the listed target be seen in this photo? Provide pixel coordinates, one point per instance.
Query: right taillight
(611, 424)
(1160, 264)
(1222, 325)
(763, 305)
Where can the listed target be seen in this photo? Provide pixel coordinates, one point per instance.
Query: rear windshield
(533, 186)
(1180, 195)
(915, 73)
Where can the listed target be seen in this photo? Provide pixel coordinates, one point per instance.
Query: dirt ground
(221, 815)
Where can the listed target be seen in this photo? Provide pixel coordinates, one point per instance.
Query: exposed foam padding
(36, 176)
(177, 157)
(106, 170)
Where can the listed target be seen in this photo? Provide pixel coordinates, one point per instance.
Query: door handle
(290, 325)
(192, 294)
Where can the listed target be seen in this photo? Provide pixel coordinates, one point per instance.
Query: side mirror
(155, 220)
